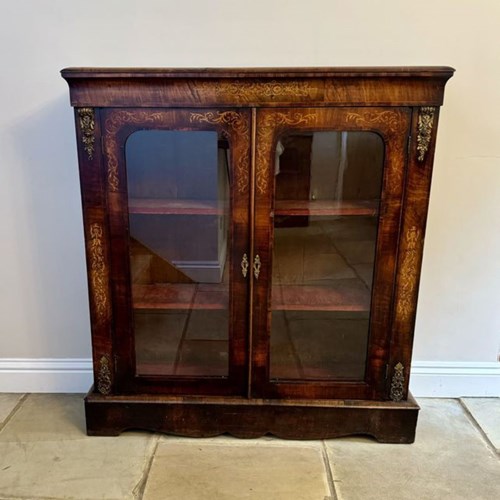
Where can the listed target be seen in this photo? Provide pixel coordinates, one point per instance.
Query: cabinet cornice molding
(275, 87)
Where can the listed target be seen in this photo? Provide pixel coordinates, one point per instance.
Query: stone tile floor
(45, 454)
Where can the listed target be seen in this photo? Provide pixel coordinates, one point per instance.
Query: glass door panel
(327, 195)
(179, 220)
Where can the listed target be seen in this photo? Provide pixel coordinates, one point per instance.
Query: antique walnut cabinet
(254, 240)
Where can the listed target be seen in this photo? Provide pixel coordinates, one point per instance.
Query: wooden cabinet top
(338, 72)
(246, 87)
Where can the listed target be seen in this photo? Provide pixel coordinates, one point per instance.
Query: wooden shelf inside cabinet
(180, 296)
(165, 370)
(349, 296)
(326, 207)
(152, 206)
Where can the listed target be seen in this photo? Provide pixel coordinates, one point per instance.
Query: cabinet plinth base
(386, 421)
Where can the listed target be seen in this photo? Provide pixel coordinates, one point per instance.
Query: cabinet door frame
(117, 125)
(393, 125)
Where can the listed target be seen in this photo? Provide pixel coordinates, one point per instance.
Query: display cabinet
(254, 240)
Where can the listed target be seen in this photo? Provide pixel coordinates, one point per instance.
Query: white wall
(43, 307)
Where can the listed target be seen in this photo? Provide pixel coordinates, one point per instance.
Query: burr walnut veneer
(254, 240)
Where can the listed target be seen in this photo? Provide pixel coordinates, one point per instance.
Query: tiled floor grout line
(14, 410)
(243, 442)
(141, 487)
(478, 427)
(328, 471)
(31, 497)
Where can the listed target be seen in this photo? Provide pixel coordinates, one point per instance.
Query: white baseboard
(453, 379)
(440, 379)
(45, 374)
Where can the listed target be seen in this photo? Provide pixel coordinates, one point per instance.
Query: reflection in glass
(178, 192)
(328, 187)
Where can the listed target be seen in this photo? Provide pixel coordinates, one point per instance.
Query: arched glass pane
(328, 187)
(179, 212)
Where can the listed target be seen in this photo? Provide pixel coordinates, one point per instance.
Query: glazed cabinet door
(329, 186)
(178, 194)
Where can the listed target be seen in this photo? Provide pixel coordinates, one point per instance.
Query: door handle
(256, 266)
(244, 265)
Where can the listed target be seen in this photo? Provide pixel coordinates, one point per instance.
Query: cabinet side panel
(415, 206)
(88, 131)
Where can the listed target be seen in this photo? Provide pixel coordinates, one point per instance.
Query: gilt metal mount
(104, 376)
(397, 383)
(87, 126)
(425, 122)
